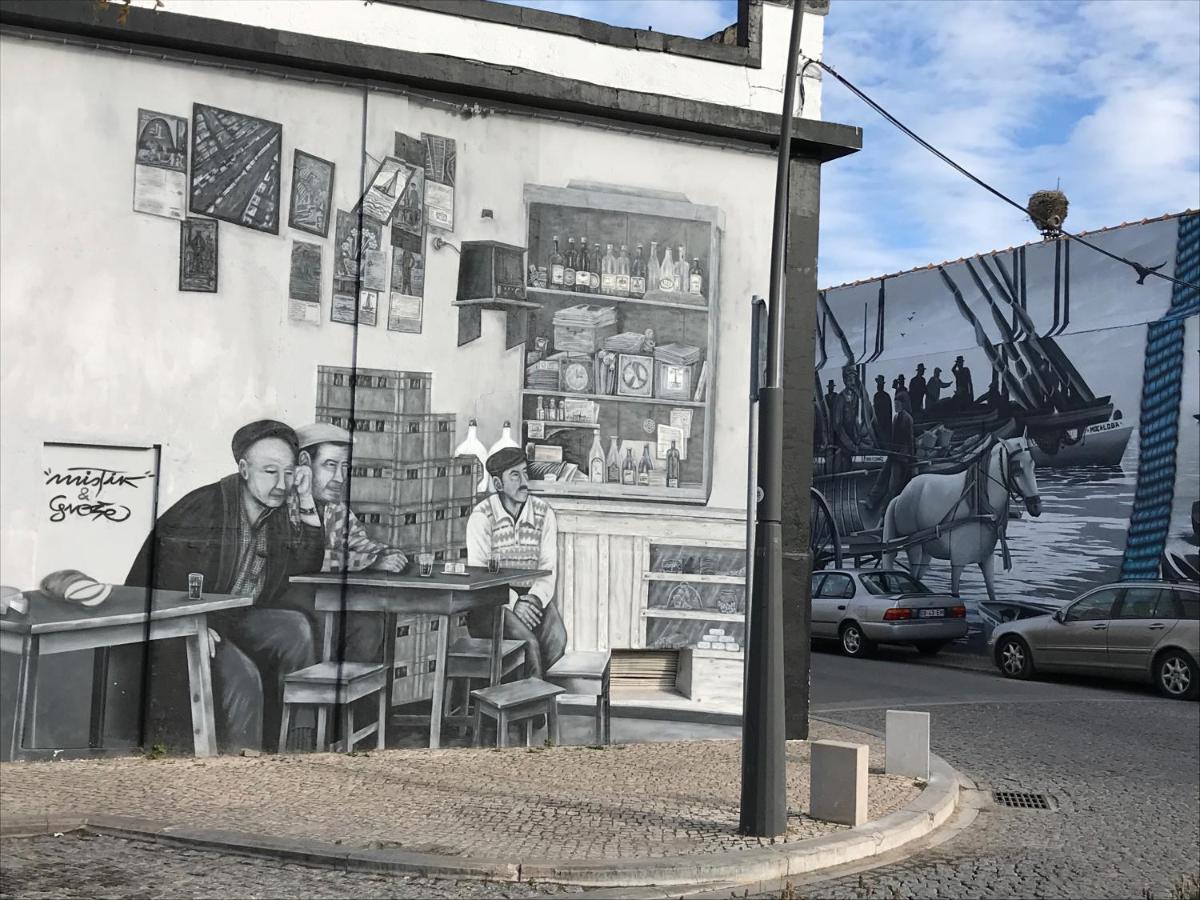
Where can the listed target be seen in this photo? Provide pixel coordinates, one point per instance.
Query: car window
(815, 585)
(1189, 604)
(1140, 603)
(1096, 607)
(874, 583)
(1167, 606)
(837, 586)
(903, 583)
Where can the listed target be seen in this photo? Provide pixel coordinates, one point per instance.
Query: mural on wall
(1002, 427)
(236, 163)
(312, 193)
(198, 255)
(160, 165)
(241, 584)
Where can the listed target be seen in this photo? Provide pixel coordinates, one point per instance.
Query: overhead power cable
(1141, 270)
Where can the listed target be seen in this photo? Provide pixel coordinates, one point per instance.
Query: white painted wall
(97, 343)
(405, 28)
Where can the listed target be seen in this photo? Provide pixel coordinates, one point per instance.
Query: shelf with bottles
(530, 392)
(666, 301)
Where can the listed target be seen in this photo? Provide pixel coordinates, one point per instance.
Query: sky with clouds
(1102, 96)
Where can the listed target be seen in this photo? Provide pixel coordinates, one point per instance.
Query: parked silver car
(1132, 630)
(864, 607)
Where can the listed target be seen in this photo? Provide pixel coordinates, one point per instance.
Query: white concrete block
(716, 631)
(907, 735)
(838, 782)
(703, 645)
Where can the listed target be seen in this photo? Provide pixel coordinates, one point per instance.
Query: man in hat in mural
(325, 452)
(521, 532)
(964, 388)
(882, 405)
(848, 433)
(237, 533)
(898, 470)
(916, 391)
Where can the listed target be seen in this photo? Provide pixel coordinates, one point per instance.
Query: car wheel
(1176, 675)
(854, 642)
(1013, 658)
(930, 648)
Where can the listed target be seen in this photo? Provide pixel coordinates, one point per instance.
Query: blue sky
(1102, 95)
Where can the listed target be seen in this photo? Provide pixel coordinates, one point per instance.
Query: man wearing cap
(325, 452)
(237, 533)
(521, 531)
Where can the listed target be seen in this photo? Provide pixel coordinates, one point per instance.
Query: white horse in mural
(965, 513)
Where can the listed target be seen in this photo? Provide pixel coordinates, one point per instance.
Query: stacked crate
(406, 487)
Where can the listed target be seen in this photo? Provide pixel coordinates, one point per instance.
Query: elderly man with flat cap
(325, 452)
(237, 533)
(521, 531)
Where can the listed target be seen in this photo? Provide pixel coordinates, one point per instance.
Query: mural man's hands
(213, 640)
(392, 561)
(528, 610)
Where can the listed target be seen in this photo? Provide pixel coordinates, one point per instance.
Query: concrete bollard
(907, 737)
(838, 782)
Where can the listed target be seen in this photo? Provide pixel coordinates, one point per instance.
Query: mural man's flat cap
(249, 435)
(504, 459)
(321, 433)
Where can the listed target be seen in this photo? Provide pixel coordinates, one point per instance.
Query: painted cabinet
(622, 348)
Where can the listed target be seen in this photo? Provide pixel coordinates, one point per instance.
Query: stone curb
(932, 808)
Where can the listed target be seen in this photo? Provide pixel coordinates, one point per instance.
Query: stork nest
(1048, 209)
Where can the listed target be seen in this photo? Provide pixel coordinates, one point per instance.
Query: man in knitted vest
(520, 531)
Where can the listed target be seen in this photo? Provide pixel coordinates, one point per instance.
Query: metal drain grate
(1021, 799)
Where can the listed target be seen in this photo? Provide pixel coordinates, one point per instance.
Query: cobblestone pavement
(1121, 764)
(566, 803)
(93, 866)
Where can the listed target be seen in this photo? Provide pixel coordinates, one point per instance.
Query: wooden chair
(327, 684)
(471, 658)
(587, 672)
(514, 702)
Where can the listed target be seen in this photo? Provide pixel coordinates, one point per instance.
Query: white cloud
(1105, 95)
(691, 18)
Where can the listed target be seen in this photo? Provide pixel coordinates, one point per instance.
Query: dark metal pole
(764, 762)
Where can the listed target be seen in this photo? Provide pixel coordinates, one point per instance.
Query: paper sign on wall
(441, 164)
(97, 508)
(160, 165)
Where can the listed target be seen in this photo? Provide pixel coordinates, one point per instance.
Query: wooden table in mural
(438, 595)
(128, 616)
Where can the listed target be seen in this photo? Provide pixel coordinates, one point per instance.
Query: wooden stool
(517, 701)
(586, 672)
(327, 684)
(469, 658)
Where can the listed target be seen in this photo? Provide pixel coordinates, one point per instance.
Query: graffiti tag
(89, 483)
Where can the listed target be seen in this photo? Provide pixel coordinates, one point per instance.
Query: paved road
(1121, 764)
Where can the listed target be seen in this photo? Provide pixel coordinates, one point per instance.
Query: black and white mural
(1016, 427)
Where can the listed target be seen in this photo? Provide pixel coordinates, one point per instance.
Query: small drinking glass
(425, 561)
(195, 585)
(493, 564)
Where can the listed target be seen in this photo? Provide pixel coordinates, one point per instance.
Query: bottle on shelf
(681, 266)
(597, 466)
(556, 267)
(623, 272)
(505, 440)
(558, 411)
(696, 277)
(673, 466)
(628, 468)
(583, 267)
(653, 269)
(530, 449)
(473, 446)
(594, 269)
(613, 462)
(637, 275)
(569, 266)
(540, 414)
(644, 467)
(608, 272)
(668, 273)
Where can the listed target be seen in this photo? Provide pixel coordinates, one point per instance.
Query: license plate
(931, 613)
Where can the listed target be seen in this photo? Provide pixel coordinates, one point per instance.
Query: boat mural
(1037, 354)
